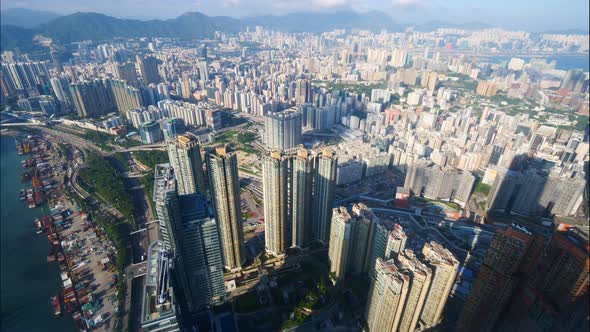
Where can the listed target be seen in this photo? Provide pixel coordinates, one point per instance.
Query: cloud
(231, 3)
(407, 3)
(330, 3)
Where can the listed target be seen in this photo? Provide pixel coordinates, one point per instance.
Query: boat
(56, 303)
(39, 225)
(22, 195)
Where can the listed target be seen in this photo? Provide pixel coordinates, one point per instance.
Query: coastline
(86, 290)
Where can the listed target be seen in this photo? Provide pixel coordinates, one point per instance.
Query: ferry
(56, 303)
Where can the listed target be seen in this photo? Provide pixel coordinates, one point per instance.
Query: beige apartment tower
(387, 297)
(275, 172)
(224, 184)
(421, 277)
(340, 242)
(444, 268)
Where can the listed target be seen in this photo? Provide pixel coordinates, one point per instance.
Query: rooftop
(164, 181)
(158, 297)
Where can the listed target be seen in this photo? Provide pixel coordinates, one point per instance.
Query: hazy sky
(534, 15)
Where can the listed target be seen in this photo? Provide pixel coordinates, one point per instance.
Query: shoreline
(74, 239)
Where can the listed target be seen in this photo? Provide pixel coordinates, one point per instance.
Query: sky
(531, 15)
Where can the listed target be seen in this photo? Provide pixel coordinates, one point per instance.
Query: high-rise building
(275, 173)
(158, 306)
(444, 268)
(171, 127)
(303, 91)
(340, 242)
(486, 88)
(126, 71)
(363, 233)
(351, 237)
(496, 280)
(387, 297)
(60, 87)
(420, 276)
(224, 184)
(166, 203)
(389, 240)
(298, 190)
(25, 76)
(92, 98)
(437, 183)
(532, 193)
(407, 292)
(126, 96)
(302, 187)
(149, 132)
(282, 130)
(184, 154)
(562, 272)
(323, 194)
(555, 296)
(200, 253)
(148, 67)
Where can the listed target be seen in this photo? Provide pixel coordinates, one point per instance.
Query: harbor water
(28, 280)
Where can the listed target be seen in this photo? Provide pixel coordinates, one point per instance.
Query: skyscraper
(126, 96)
(166, 203)
(555, 294)
(224, 184)
(295, 183)
(387, 297)
(420, 276)
(302, 186)
(184, 154)
(303, 91)
(340, 242)
(363, 233)
(126, 71)
(323, 194)
(92, 98)
(496, 280)
(351, 237)
(158, 306)
(389, 240)
(148, 67)
(188, 228)
(534, 193)
(562, 273)
(200, 252)
(60, 87)
(282, 130)
(275, 173)
(444, 268)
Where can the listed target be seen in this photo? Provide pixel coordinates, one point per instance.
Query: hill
(191, 25)
(25, 18)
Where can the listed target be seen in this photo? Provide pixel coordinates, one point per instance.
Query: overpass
(147, 147)
(16, 124)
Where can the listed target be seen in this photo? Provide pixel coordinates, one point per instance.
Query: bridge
(17, 124)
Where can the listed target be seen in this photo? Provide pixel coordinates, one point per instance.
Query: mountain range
(19, 26)
(94, 26)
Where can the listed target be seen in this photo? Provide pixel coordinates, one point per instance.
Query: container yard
(85, 255)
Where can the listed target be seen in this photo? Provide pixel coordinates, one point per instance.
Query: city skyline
(212, 173)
